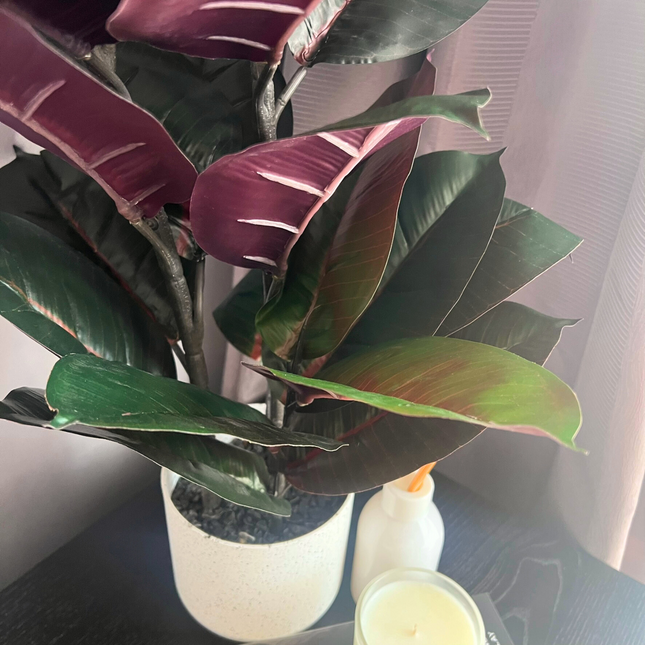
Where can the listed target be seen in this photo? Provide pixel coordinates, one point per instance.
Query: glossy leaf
(452, 379)
(524, 245)
(62, 108)
(26, 406)
(26, 188)
(235, 316)
(322, 299)
(447, 215)
(237, 475)
(256, 31)
(196, 114)
(69, 305)
(517, 329)
(206, 106)
(248, 209)
(79, 25)
(375, 31)
(381, 447)
(94, 392)
(67, 203)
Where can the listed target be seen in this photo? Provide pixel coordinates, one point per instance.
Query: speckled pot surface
(249, 592)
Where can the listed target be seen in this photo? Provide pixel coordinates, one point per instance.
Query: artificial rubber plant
(377, 296)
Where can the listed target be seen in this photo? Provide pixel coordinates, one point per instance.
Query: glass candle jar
(417, 607)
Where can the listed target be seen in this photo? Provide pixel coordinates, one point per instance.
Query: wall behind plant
(53, 485)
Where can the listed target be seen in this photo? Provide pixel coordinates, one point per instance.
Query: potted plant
(377, 295)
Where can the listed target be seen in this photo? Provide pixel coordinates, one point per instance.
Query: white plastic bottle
(397, 529)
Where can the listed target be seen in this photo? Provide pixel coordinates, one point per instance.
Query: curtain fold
(597, 495)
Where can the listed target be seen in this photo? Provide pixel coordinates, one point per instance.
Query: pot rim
(166, 474)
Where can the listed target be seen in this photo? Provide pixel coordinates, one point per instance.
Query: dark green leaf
(452, 379)
(374, 31)
(206, 106)
(26, 406)
(237, 475)
(524, 245)
(90, 391)
(235, 316)
(381, 447)
(67, 203)
(458, 108)
(69, 305)
(26, 186)
(335, 269)
(448, 211)
(517, 329)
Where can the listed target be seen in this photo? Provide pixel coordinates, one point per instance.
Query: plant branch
(265, 103)
(164, 246)
(198, 307)
(288, 92)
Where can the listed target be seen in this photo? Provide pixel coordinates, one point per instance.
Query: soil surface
(234, 523)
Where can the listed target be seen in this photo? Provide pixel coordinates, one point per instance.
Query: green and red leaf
(67, 203)
(408, 442)
(68, 304)
(448, 378)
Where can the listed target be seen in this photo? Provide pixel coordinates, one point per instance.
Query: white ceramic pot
(249, 592)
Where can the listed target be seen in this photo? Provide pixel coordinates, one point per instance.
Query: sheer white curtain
(570, 78)
(568, 82)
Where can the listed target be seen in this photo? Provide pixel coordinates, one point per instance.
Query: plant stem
(198, 307)
(164, 246)
(265, 103)
(288, 92)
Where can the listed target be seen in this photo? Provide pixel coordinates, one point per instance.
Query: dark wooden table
(112, 585)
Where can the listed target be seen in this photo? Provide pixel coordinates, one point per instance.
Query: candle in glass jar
(417, 607)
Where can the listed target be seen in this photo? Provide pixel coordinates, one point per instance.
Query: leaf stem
(265, 103)
(157, 232)
(288, 92)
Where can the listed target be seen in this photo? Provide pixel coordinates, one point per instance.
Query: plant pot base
(251, 592)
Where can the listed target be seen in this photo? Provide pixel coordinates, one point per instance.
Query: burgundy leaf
(250, 29)
(62, 108)
(337, 265)
(250, 208)
(77, 24)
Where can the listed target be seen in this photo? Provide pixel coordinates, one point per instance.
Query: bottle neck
(404, 506)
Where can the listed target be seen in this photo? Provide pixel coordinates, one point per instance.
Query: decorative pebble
(235, 523)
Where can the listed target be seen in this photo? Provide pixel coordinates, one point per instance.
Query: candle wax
(415, 613)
